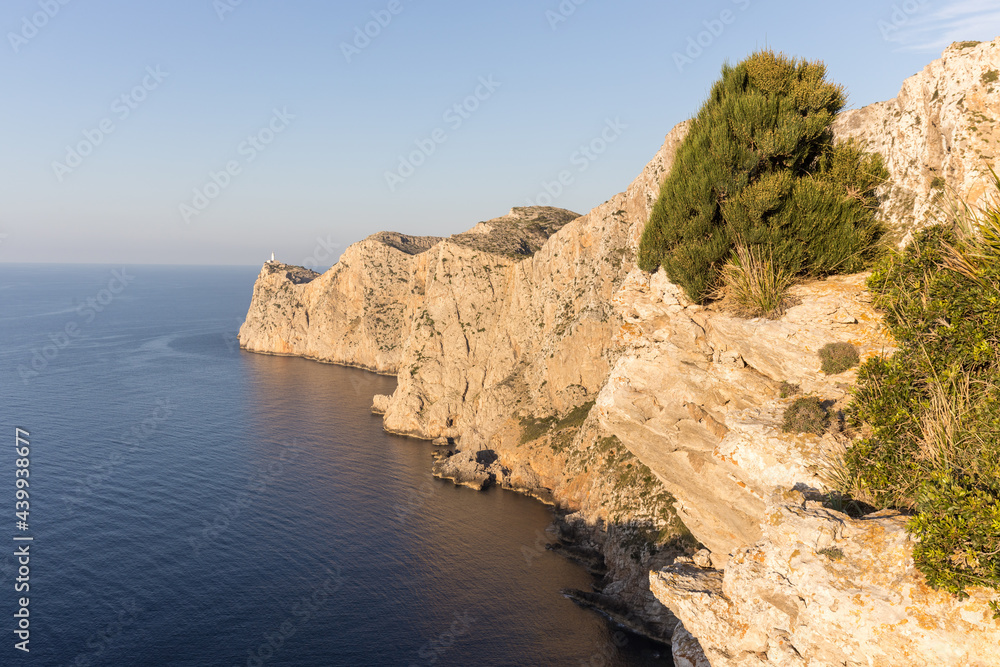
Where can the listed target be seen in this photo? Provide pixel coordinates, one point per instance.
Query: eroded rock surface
(938, 136)
(821, 588)
(355, 314)
(696, 396)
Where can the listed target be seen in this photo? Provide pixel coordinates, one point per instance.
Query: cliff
(938, 136)
(501, 339)
(534, 346)
(696, 396)
(354, 314)
(820, 588)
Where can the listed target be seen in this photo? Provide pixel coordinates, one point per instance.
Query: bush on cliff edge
(758, 169)
(931, 411)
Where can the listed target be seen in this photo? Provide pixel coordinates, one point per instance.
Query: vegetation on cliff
(519, 234)
(806, 415)
(838, 357)
(759, 170)
(931, 412)
(640, 513)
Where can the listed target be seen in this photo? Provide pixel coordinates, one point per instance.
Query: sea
(184, 502)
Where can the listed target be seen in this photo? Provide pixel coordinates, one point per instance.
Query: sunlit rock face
(354, 314)
(820, 588)
(939, 136)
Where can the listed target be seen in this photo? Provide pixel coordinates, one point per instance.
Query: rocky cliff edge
(555, 367)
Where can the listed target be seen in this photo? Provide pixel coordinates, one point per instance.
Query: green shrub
(758, 168)
(990, 76)
(533, 428)
(806, 415)
(978, 246)
(788, 389)
(838, 357)
(957, 524)
(931, 412)
(833, 553)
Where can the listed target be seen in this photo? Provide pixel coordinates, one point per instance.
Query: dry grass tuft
(978, 229)
(752, 286)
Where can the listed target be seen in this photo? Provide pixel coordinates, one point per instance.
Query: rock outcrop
(821, 588)
(355, 314)
(695, 395)
(534, 347)
(939, 136)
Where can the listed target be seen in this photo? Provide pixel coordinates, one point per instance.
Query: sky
(219, 131)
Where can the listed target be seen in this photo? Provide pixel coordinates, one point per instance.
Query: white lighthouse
(272, 259)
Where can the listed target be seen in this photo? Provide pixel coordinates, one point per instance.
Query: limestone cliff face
(534, 345)
(938, 136)
(496, 339)
(510, 322)
(695, 396)
(355, 314)
(821, 588)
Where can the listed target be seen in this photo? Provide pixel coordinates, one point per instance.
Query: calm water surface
(193, 504)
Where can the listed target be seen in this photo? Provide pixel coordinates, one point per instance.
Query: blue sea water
(193, 504)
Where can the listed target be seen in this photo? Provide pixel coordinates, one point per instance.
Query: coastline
(655, 423)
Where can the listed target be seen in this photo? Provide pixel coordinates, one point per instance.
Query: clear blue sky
(554, 80)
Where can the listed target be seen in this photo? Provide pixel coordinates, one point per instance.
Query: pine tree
(759, 168)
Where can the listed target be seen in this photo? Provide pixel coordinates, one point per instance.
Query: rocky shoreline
(577, 542)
